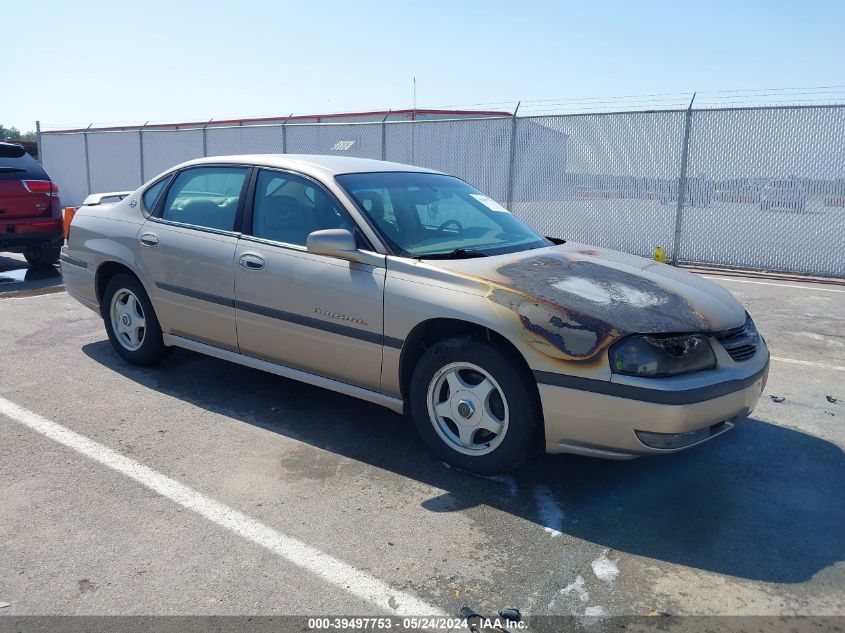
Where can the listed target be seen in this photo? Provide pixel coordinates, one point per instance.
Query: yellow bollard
(660, 254)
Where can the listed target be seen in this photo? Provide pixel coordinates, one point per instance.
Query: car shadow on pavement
(762, 502)
(16, 274)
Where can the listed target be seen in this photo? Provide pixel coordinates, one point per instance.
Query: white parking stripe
(328, 568)
(808, 363)
(769, 283)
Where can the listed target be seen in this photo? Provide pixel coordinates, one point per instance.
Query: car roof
(312, 164)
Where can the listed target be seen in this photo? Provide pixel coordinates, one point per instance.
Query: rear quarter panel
(99, 235)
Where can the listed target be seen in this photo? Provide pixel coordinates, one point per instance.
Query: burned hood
(574, 300)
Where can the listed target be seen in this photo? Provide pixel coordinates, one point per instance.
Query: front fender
(411, 301)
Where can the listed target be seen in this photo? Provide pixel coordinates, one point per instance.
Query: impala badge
(339, 316)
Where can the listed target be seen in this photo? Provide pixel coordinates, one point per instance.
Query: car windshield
(435, 216)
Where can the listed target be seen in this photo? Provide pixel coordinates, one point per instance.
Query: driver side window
(288, 208)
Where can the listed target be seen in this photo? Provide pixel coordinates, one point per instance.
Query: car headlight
(661, 355)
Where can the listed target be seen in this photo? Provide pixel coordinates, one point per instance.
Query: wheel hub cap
(467, 408)
(127, 319)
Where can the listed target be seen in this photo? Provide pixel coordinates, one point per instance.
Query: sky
(83, 62)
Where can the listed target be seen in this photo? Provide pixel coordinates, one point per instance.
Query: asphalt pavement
(199, 487)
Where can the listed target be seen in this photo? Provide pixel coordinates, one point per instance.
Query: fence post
(205, 137)
(384, 136)
(512, 159)
(141, 150)
(682, 184)
(285, 134)
(87, 162)
(38, 141)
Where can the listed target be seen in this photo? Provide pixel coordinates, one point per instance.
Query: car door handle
(251, 262)
(148, 239)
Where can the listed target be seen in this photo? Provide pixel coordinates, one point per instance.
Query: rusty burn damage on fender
(572, 309)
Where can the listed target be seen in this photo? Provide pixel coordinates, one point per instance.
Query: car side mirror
(338, 243)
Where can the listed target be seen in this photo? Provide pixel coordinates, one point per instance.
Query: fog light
(680, 440)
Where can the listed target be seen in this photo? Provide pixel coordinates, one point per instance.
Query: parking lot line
(769, 283)
(328, 568)
(808, 363)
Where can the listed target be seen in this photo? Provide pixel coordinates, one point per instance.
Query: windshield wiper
(458, 253)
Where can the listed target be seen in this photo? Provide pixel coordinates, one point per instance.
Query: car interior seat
(373, 202)
(283, 219)
(206, 212)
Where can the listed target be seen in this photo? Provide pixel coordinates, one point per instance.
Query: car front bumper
(585, 422)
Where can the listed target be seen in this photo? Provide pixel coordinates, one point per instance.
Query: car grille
(741, 343)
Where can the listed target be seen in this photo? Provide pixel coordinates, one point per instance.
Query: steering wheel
(448, 222)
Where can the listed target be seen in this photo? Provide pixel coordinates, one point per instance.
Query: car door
(186, 253)
(319, 314)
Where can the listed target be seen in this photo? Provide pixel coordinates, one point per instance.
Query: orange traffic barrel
(68, 213)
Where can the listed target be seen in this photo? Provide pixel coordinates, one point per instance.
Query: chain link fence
(766, 189)
(757, 188)
(607, 180)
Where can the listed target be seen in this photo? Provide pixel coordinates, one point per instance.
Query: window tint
(151, 195)
(206, 196)
(11, 151)
(16, 164)
(287, 208)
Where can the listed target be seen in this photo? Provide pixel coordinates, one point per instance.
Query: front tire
(131, 322)
(40, 257)
(473, 406)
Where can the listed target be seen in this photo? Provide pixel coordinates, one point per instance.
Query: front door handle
(148, 239)
(251, 262)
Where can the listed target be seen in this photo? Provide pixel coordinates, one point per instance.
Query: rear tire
(473, 406)
(131, 322)
(40, 257)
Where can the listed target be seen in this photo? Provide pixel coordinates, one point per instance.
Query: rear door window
(206, 197)
(16, 164)
(152, 193)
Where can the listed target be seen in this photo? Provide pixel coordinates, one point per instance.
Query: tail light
(41, 186)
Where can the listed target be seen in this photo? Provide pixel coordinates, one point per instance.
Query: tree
(14, 134)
